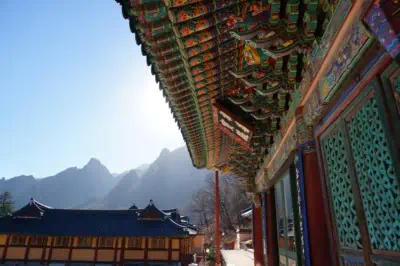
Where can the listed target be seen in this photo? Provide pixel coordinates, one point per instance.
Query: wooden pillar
(27, 247)
(146, 251)
(53, 241)
(272, 238)
(317, 227)
(116, 251)
(257, 236)
(180, 250)
(44, 251)
(3, 258)
(217, 229)
(170, 251)
(122, 255)
(70, 251)
(96, 248)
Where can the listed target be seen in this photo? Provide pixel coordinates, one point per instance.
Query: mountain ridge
(93, 186)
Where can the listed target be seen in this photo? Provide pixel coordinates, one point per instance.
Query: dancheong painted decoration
(300, 100)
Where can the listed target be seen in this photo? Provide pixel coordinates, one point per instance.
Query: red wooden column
(272, 238)
(115, 251)
(257, 236)
(44, 251)
(217, 230)
(53, 241)
(3, 258)
(96, 249)
(146, 251)
(317, 227)
(27, 248)
(122, 254)
(71, 246)
(170, 251)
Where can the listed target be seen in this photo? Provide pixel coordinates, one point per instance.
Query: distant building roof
(133, 207)
(38, 219)
(247, 212)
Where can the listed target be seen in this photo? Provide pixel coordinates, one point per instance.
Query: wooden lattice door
(362, 177)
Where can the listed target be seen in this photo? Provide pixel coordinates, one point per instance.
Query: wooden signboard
(231, 125)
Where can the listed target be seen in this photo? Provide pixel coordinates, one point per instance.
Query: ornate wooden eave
(248, 56)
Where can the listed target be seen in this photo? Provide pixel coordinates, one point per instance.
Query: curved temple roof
(38, 219)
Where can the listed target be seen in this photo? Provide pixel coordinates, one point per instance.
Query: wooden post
(180, 249)
(53, 240)
(257, 236)
(27, 247)
(272, 238)
(317, 229)
(170, 251)
(44, 251)
(116, 251)
(5, 249)
(217, 230)
(122, 254)
(146, 251)
(96, 250)
(70, 251)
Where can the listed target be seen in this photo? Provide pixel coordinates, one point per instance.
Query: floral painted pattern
(201, 48)
(192, 11)
(206, 74)
(195, 25)
(199, 38)
(203, 67)
(210, 80)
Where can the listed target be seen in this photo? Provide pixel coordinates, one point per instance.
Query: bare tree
(233, 200)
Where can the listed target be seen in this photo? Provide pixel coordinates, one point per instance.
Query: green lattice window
(341, 191)
(380, 191)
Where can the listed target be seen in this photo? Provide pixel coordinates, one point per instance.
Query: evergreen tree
(6, 204)
(212, 254)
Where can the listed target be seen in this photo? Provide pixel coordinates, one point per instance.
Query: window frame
(61, 244)
(18, 242)
(82, 241)
(281, 187)
(106, 242)
(137, 242)
(155, 243)
(38, 241)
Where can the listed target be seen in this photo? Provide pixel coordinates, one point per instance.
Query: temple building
(300, 99)
(40, 235)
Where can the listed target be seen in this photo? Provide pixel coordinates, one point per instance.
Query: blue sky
(74, 85)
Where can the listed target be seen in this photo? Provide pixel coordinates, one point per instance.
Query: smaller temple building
(38, 235)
